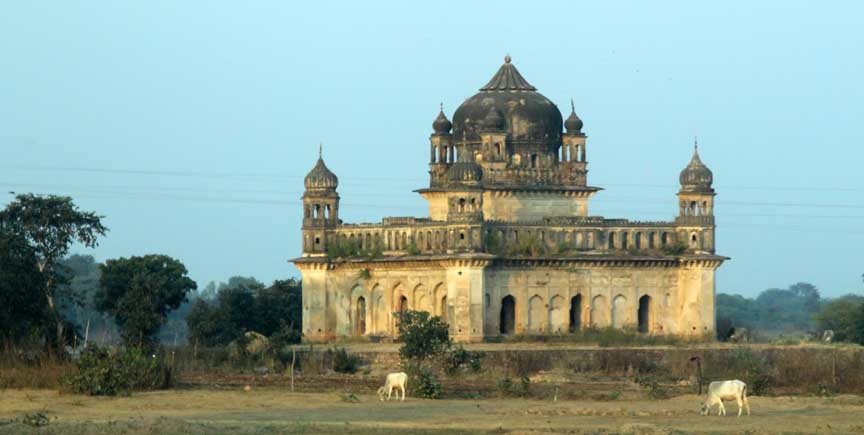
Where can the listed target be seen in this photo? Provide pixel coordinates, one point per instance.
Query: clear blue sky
(190, 124)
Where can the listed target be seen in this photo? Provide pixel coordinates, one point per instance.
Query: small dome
(696, 177)
(441, 125)
(320, 177)
(464, 172)
(573, 124)
(493, 121)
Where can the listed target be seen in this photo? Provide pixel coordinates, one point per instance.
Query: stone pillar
(466, 282)
(314, 275)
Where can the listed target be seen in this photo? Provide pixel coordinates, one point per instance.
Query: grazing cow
(739, 335)
(718, 391)
(394, 380)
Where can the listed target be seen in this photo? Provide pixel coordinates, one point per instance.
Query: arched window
(624, 240)
(533, 160)
(664, 239)
(651, 240)
(403, 304)
(461, 205)
(428, 240)
(316, 211)
(497, 149)
(637, 240)
(611, 240)
(327, 211)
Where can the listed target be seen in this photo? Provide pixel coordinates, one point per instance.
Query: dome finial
(320, 148)
(441, 106)
(507, 58)
(572, 106)
(696, 143)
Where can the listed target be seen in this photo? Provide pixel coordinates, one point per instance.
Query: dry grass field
(272, 410)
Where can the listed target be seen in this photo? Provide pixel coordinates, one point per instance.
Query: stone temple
(509, 246)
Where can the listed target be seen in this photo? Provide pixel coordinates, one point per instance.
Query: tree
(844, 316)
(277, 306)
(23, 311)
(422, 336)
(140, 291)
(76, 296)
(50, 225)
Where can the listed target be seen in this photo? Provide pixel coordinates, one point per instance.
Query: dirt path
(276, 411)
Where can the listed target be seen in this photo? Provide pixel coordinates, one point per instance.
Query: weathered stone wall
(359, 298)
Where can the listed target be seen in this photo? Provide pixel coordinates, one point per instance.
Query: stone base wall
(356, 299)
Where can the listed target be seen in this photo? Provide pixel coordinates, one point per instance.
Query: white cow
(719, 391)
(394, 380)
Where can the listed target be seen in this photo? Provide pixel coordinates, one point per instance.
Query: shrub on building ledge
(676, 248)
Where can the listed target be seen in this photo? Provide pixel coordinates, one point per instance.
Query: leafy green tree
(23, 310)
(140, 291)
(76, 296)
(51, 224)
(243, 305)
(279, 304)
(422, 336)
(844, 316)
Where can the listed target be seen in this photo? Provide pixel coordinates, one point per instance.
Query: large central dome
(528, 115)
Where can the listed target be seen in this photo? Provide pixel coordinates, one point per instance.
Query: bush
(422, 336)
(507, 387)
(105, 372)
(426, 385)
(650, 384)
(753, 369)
(676, 248)
(343, 362)
(458, 357)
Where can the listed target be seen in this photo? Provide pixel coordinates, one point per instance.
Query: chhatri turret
(320, 206)
(696, 204)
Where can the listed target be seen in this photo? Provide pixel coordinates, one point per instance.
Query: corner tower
(320, 207)
(696, 204)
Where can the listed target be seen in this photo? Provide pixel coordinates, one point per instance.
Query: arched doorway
(403, 304)
(645, 314)
(444, 308)
(575, 313)
(508, 315)
(360, 317)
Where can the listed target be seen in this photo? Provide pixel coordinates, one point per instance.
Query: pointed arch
(619, 311)
(536, 314)
(557, 323)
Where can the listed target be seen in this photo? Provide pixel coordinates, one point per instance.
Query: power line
(389, 179)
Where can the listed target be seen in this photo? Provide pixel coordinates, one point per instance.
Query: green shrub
(753, 370)
(457, 358)
(107, 372)
(343, 362)
(676, 248)
(650, 384)
(426, 385)
(422, 336)
(507, 387)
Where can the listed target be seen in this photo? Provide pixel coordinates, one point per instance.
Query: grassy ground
(273, 410)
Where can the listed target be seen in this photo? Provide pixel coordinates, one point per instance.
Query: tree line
(50, 299)
(798, 309)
